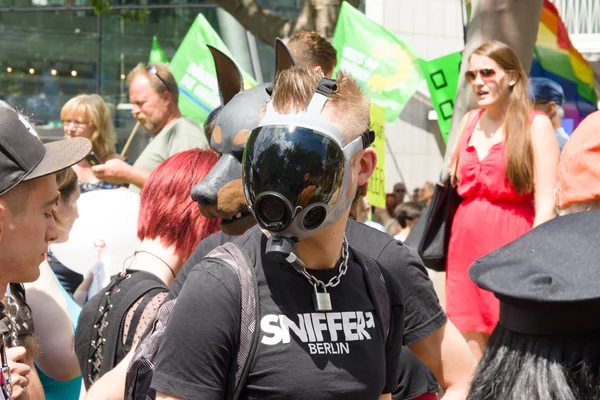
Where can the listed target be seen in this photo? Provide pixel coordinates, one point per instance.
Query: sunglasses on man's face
(485, 73)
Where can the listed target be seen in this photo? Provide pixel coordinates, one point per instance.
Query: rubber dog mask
(220, 193)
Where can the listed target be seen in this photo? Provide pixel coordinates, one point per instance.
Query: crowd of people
(263, 272)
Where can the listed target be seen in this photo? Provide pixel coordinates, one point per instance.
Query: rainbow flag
(556, 58)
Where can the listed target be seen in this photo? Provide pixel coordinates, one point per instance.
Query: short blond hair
(162, 81)
(309, 49)
(295, 87)
(92, 107)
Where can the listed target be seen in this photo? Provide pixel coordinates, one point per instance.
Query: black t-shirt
(423, 313)
(302, 354)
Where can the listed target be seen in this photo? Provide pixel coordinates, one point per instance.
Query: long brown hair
(517, 119)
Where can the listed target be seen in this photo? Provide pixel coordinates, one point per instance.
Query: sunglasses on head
(152, 70)
(485, 73)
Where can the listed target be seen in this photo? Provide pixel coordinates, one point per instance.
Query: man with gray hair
(548, 97)
(154, 94)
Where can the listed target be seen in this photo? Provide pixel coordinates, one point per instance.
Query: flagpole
(387, 143)
(131, 135)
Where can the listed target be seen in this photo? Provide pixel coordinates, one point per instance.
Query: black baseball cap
(547, 281)
(23, 156)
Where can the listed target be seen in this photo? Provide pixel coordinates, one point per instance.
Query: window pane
(46, 58)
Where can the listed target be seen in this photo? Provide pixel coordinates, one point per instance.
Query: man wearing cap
(548, 97)
(154, 94)
(28, 193)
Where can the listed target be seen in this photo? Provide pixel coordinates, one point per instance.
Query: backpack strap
(378, 290)
(236, 258)
(110, 351)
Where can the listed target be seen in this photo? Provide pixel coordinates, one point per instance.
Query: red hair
(167, 210)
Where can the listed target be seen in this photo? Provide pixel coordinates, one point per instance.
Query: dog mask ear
(283, 61)
(229, 77)
(283, 58)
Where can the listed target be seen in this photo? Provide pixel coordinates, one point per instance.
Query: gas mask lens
(291, 172)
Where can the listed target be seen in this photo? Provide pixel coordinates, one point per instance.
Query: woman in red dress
(506, 165)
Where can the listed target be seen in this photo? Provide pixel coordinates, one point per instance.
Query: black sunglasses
(152, 70)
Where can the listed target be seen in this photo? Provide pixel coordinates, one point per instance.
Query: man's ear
(367, 162)
(551, 109)
(167, 96)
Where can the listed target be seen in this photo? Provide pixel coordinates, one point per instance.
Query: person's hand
(113, 171)
(80, 294)
(18, 371)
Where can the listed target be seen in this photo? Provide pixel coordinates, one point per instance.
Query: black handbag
(431, 234)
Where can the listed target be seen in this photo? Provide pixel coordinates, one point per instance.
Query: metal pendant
(321, 301)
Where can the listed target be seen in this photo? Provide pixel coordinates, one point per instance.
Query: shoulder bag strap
(468, 126)
(237, 259)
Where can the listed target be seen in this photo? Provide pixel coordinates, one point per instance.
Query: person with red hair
(170, 226)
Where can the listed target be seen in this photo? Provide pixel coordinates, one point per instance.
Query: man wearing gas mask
(321, 334)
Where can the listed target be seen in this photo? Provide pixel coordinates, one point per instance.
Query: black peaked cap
(548, 280)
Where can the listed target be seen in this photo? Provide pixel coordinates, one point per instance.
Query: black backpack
(98, 344)
(141, 369)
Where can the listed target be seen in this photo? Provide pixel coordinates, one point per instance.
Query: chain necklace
(135, 253)
(12, 311)
(322, 300)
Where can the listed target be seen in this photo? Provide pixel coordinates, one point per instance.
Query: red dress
(491, 215)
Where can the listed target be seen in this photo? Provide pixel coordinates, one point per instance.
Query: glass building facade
(52, 50)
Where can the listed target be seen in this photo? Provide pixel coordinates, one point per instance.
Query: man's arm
(119, 172)
(447, 354)
(387, 396)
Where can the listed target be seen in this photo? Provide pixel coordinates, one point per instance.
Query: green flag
(194, 70)
(157, 55)
(442, 75)
(386, 67)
